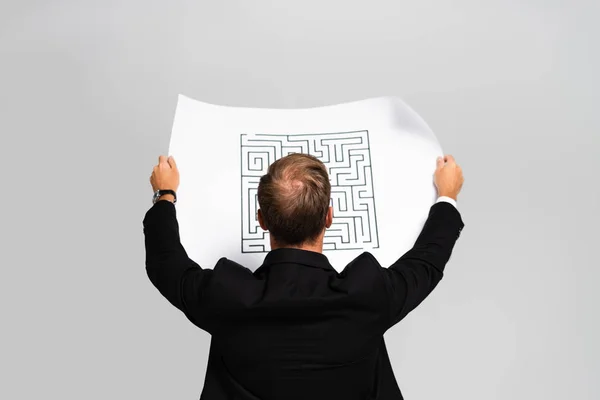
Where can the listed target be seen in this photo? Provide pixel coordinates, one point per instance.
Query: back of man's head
(294, 199)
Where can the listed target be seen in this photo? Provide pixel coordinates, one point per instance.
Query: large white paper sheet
(380, 154)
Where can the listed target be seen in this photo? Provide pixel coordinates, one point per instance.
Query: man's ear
(261, 221)
(329, 217)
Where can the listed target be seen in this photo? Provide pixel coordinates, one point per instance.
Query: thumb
(171, 161)
(440, 162)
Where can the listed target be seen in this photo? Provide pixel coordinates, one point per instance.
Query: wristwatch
(159, 193)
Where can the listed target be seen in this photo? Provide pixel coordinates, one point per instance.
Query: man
(296, 328)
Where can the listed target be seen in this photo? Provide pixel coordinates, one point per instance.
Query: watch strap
(160, 193)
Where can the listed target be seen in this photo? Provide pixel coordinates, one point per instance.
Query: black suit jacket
(296, 328)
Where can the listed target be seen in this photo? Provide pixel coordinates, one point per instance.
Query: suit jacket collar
(296, 256)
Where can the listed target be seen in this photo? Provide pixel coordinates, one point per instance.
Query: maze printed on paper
(348, 160)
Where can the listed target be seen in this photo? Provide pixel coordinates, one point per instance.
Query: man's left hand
(165, 174)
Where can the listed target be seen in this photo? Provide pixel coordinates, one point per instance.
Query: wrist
(453, 196)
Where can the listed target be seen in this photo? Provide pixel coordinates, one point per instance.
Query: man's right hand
(448, 177)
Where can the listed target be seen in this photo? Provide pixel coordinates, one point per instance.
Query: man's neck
(317, 247)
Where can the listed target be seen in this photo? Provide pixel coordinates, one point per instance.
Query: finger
(171, 161)
(440, 162)
(162, 159)
(449, 159)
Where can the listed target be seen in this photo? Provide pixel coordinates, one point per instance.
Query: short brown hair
(294, 198)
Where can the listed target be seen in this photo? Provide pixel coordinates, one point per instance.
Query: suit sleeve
(414, 276)
(178, 278)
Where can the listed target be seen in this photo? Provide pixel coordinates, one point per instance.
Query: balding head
(294, 199)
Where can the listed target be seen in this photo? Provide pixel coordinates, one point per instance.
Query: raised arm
(414, 276)
(178, 278)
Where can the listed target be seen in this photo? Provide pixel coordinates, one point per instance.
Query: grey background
(87, 97)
